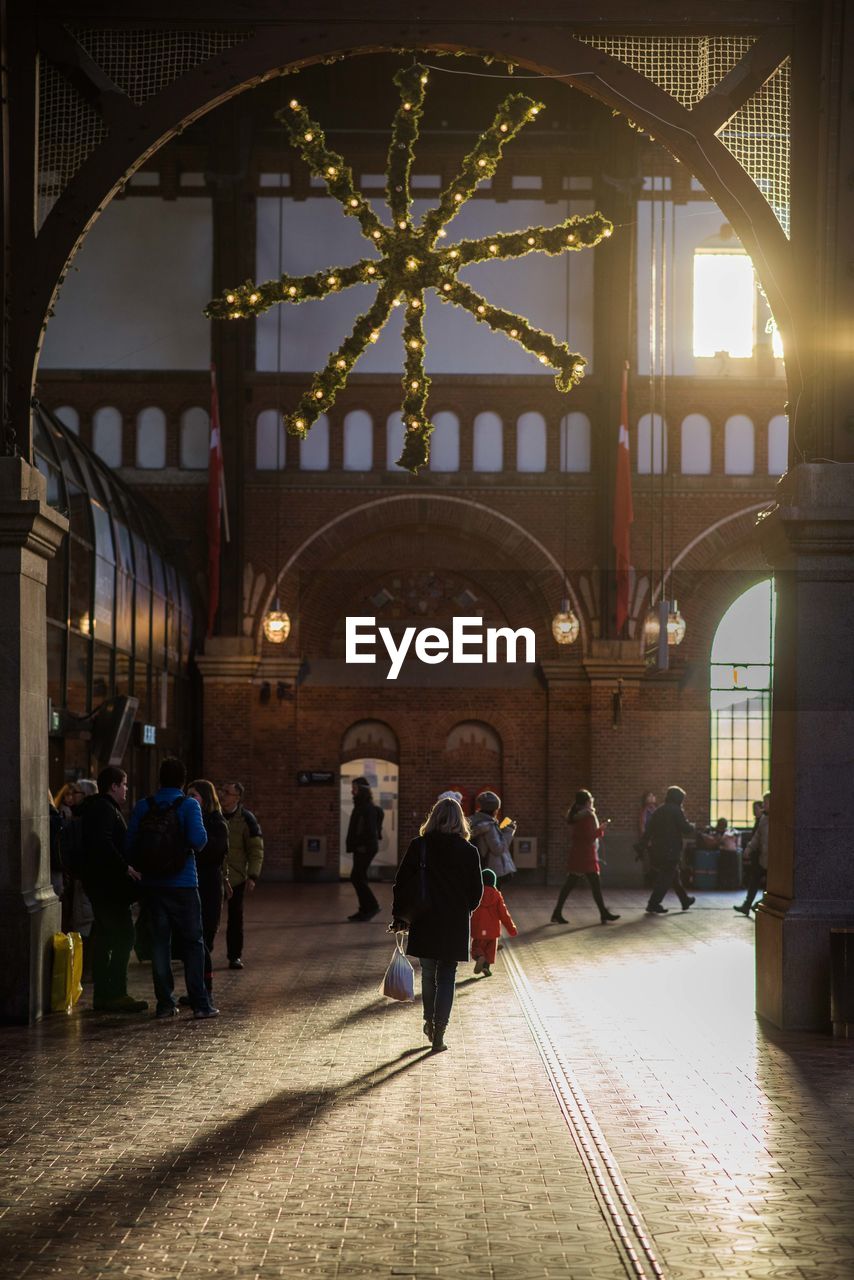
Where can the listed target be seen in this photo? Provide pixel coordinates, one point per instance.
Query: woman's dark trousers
(359, 880)
(437, 990)
(210, 893)
(592, 878)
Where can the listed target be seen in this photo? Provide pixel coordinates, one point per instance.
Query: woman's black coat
(454, 888)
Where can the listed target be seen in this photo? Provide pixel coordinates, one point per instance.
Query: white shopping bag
(399, 981)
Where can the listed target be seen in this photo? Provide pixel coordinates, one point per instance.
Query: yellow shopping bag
(66, 986)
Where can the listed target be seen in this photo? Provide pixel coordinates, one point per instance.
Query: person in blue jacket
(173, 901)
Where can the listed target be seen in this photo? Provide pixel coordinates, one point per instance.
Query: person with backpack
(363, 841)
(111, 885)
(245, 858)
(164, 834)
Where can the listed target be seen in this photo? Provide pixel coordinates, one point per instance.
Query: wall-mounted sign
(149, 735)
(315, 778)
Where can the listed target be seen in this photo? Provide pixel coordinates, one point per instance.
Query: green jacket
(245, 846)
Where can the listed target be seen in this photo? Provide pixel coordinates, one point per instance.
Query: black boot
(596, 889)
(439, 1045)
(428, 1028)
(566, 889)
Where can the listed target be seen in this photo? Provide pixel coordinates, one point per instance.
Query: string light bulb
(294, 105)
(229, 297)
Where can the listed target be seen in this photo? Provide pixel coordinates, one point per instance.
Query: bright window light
(724, 304)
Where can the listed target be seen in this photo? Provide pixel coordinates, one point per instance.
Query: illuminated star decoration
(411, 261)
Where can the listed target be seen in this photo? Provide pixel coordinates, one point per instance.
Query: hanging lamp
(565, 625)
(276, 623)
(676, 626)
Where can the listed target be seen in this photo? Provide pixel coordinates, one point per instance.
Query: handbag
(399, 981)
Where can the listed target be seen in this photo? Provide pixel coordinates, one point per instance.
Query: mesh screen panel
(142, 62)
(758, 137)
(689, 67)
(685, 66)
(69, 129)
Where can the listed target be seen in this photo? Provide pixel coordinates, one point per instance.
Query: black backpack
(160, 848)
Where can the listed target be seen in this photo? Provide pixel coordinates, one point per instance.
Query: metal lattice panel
(69, 130)
(142, 62)
(688, 68)
(758, 137)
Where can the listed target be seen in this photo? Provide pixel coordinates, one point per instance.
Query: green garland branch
(409, 261)
(569, 364)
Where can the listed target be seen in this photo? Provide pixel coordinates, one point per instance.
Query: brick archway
(496, 533)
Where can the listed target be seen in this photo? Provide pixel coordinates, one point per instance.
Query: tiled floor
(307, 1132)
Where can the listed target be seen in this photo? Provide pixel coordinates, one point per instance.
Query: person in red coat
(583, 862)
(486, 924)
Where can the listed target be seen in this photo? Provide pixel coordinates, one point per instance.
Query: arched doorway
(369, 750)
(740, 683)
(472, 761)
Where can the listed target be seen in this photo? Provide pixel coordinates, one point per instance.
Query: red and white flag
(217, 509)
(623, 513)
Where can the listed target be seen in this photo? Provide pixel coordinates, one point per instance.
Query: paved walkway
(609, 1107)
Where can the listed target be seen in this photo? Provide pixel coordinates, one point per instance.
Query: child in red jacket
(486, 924)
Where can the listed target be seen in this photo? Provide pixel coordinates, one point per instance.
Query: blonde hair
(447, 817)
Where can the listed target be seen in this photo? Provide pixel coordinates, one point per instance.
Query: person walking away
(211, 868)
(164, 833)
(665, 832)
(245, 859)
(111, 885)
(438, 886)
(583, 857)
(757, 850)
(486, 924)
(363, 841)
(492, 840)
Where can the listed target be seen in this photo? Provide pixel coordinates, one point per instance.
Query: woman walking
(211, 866)
(582, 862)
(438, 886)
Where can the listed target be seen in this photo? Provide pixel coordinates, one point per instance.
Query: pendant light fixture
(276, 623)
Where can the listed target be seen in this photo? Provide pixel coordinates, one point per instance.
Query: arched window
(151, 438)
(778, 445)
(270, 442)
(741, 679)
(445, 442)
(195, 438)
(696, 445)
(107, 435)
(738, 446)
(575, 442)
(652, 445)
(488, 443)
(395, 435)
(69, 417)
(314, 449)
(531, 442)
(358, 441)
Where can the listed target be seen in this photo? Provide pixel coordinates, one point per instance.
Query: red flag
(623, 513)
(216, 494)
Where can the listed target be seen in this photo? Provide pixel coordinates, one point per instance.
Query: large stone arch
(137, 131)
(545, 580)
